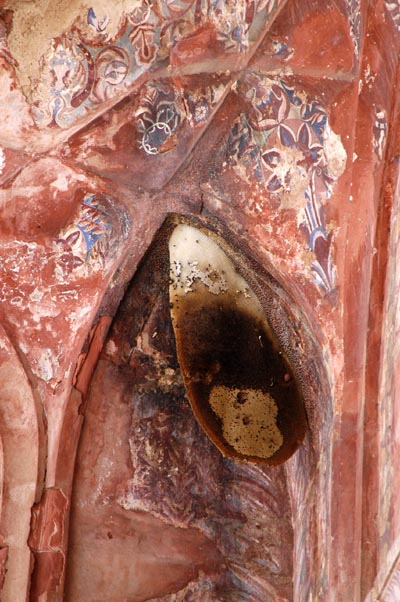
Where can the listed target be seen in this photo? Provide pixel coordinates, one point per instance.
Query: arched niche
(19, 471)
(308, 471)
(153, 492)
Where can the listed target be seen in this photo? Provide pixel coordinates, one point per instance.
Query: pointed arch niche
(159, 504)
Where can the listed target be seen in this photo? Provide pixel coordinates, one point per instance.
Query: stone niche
(151, 489)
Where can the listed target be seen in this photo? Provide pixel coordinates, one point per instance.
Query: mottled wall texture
(199, 301)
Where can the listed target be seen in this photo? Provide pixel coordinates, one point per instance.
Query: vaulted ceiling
(266, 131)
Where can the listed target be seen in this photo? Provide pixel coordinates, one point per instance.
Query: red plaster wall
(274, 125)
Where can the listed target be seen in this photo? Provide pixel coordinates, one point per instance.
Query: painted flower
(315, 115)
(201, 111)
(302, 140)
(268, 106)
(305, 156)
(197, 108)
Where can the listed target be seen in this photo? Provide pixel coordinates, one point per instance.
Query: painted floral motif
(159, 116)
(98, 23)
(393, 8)
(104, 53)
(66, 77)
(282, 50)
(97, 28)
(143, 34)
(90, 241)
(284, 142)
(232, 22)
(200, 102)
(163, 109)
(233, 19)
(111, 68)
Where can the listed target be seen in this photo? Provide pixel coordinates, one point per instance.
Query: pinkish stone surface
(272, 126)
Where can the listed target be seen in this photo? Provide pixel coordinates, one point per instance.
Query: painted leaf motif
(274, 184)
(304, 136)
(271, 158)
(73, 238)
(287, 136)
(270, 111)
(77, 261)
(142, 38)
(283, 104)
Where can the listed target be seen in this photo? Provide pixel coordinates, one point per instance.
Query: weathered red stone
(271, 127)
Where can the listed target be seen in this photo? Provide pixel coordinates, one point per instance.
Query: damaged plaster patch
(42, 305)
(36, 24)
(248, 420)
(335, 153)
(188, 274)
(228, 353)
(46, 366)
(46, 309)
(380, 132)
(77, 319)
(294, 176)
(36, 295)
(63, 180)
(16, 119)
(2, 160)
(196, 260)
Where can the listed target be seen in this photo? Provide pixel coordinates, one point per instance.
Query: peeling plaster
(37, 24)
(46, 309)
(250, 425)
(63, 180)
(2, 160)
(335, 152)
(46, 365)
(205, 265)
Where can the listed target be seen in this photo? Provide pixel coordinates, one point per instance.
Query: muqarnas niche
(240, 384)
